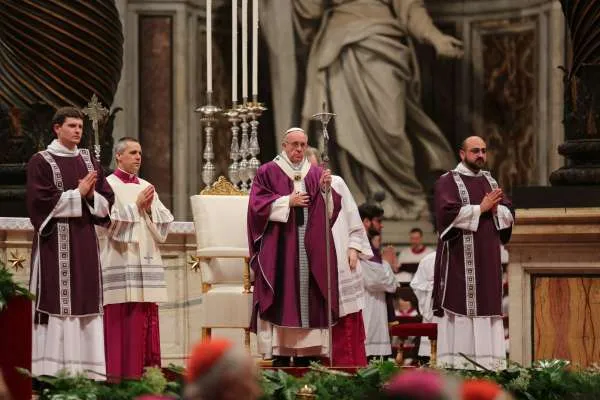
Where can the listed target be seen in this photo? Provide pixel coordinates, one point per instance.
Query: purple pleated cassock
(274, 251)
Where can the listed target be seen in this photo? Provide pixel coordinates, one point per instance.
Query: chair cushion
(223, 251)
(226, 306)
(220, 221)
(223, 271)
(414, 329)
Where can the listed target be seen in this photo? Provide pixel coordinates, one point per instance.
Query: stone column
(163, 83)
(582, 98)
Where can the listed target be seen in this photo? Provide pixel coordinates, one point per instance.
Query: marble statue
(361, 62)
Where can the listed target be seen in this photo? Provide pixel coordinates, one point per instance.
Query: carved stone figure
(363, 65)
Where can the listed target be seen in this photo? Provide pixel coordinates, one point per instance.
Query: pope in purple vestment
(274, 250)
(286, 234)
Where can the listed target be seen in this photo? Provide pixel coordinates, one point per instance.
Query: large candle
(245, 49)
(209, 46)
(234, 50)
(254, 48)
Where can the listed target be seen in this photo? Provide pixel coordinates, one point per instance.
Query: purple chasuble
(476, 291)
(76, 288)
(274, 251)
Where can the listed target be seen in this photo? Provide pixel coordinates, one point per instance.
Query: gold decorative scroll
(222, 187)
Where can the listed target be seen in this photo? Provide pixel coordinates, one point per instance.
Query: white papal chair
(222, 257)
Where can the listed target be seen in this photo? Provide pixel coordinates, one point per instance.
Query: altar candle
(255, 48)
(245, 49)
(208, 46)
(234, 50)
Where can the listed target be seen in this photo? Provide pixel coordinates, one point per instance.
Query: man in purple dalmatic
(67, 195)
(286, 234)
(473, 217)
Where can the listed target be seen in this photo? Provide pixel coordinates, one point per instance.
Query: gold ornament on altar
(16, 261)
(306, 393)
(222, 187)
(194, 263)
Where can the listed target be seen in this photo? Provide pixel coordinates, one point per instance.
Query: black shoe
(281, 361)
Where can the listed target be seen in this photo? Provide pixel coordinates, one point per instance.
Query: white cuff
(101, 207)
(124, 221)
(467, 218)
(280, 209)
(69, 205)
(503, 218)
(159, 222)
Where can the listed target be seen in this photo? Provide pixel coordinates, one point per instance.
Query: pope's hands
(325, 180)
(299, 199)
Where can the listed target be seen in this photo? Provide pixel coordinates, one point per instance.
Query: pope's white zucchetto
(294, 129)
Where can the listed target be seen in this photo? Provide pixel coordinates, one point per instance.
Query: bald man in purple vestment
(474, 217)
(67, 196)
(287, 236)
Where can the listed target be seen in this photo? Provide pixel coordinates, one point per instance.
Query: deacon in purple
(473, 217)
(286, 233)
(67, 195)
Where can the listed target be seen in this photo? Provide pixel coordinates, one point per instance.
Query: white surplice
(132, 267)
(407, 256)
(349, 233)
(378, 279)
(422, 286)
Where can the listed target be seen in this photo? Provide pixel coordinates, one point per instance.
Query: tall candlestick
(209, 46)
(234, 51)
(245, 49)
(255, 48)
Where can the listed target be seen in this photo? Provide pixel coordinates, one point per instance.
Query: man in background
(379, 283)
(409, 257)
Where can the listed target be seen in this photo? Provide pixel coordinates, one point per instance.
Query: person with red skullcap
(421, 384)
(217, 370)
(480, 389)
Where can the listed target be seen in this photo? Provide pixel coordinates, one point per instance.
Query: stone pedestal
(555, 285)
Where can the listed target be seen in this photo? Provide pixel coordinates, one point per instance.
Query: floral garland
(546, 380)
